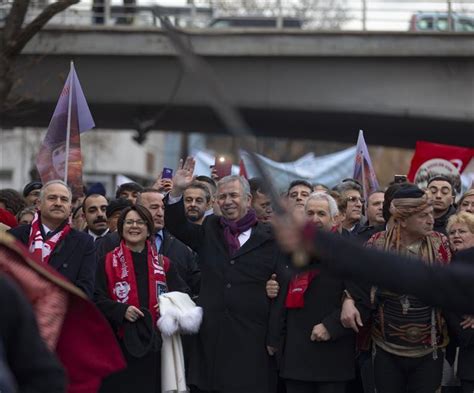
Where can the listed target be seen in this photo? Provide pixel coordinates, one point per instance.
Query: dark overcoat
(464, 337)
(229, 354)
(306, 360)
(74, 257)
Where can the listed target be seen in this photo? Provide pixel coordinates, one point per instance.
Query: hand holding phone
(167, 173)
(222, 167)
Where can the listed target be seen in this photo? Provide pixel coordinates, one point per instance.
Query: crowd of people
(275, 317)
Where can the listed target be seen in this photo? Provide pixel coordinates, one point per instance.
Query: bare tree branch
(17, 45)
(15, 20)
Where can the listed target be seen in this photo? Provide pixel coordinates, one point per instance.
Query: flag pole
(68, 127)
(364, 186)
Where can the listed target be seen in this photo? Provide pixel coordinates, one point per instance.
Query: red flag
(434, 158)
(242, 169)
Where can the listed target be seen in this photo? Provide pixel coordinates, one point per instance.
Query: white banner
(329, 169)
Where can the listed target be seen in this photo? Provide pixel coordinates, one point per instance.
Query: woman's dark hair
(12, 200)
(144, 215)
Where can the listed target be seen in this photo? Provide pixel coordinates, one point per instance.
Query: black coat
(365, 232)
(306, 360)
(464, 337)
(178, 253)
(34, 367)
(142, 374)
(449, 287)
(229, 353)
(74, 257)
(441, 222)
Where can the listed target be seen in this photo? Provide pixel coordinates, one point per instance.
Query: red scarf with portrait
(38, 246)
(122, 283)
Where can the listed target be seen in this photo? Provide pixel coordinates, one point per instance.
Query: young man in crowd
(441, 190)
(129, 191)
(298, 193)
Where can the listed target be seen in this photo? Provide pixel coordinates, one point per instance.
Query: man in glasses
(352, 192)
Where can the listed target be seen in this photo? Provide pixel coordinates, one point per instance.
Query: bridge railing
(328, 15)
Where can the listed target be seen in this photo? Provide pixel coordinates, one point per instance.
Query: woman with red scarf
(318, 356)
(128, 284)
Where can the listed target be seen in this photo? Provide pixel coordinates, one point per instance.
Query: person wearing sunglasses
(352, 192)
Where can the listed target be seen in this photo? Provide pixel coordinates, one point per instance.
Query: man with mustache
(94, 208)
(53, 241)
(197, 200)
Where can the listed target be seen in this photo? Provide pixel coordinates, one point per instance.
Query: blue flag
(51, 160)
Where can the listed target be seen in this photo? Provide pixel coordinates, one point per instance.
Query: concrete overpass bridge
(398, 87)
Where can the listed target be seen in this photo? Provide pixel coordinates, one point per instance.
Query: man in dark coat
(69, 251)
(318, 355)
(233, 351)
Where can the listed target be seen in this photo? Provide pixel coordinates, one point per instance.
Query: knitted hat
(34, 185)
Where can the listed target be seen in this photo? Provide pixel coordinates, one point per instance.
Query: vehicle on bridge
(439, 21)
(229, 22)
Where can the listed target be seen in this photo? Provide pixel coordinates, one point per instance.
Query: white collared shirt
(94, 236)
(46, 229)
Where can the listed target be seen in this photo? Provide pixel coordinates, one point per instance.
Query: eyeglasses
(355, 199)
(139, 223)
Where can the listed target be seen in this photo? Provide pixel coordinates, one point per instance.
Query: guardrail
(353, 15)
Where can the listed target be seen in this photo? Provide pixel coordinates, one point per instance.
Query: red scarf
(36, 244)
(297, 288)
(300, 283)
(121, 277)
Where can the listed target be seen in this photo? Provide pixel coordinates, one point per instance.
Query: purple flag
(51, 160)
(363, 169)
